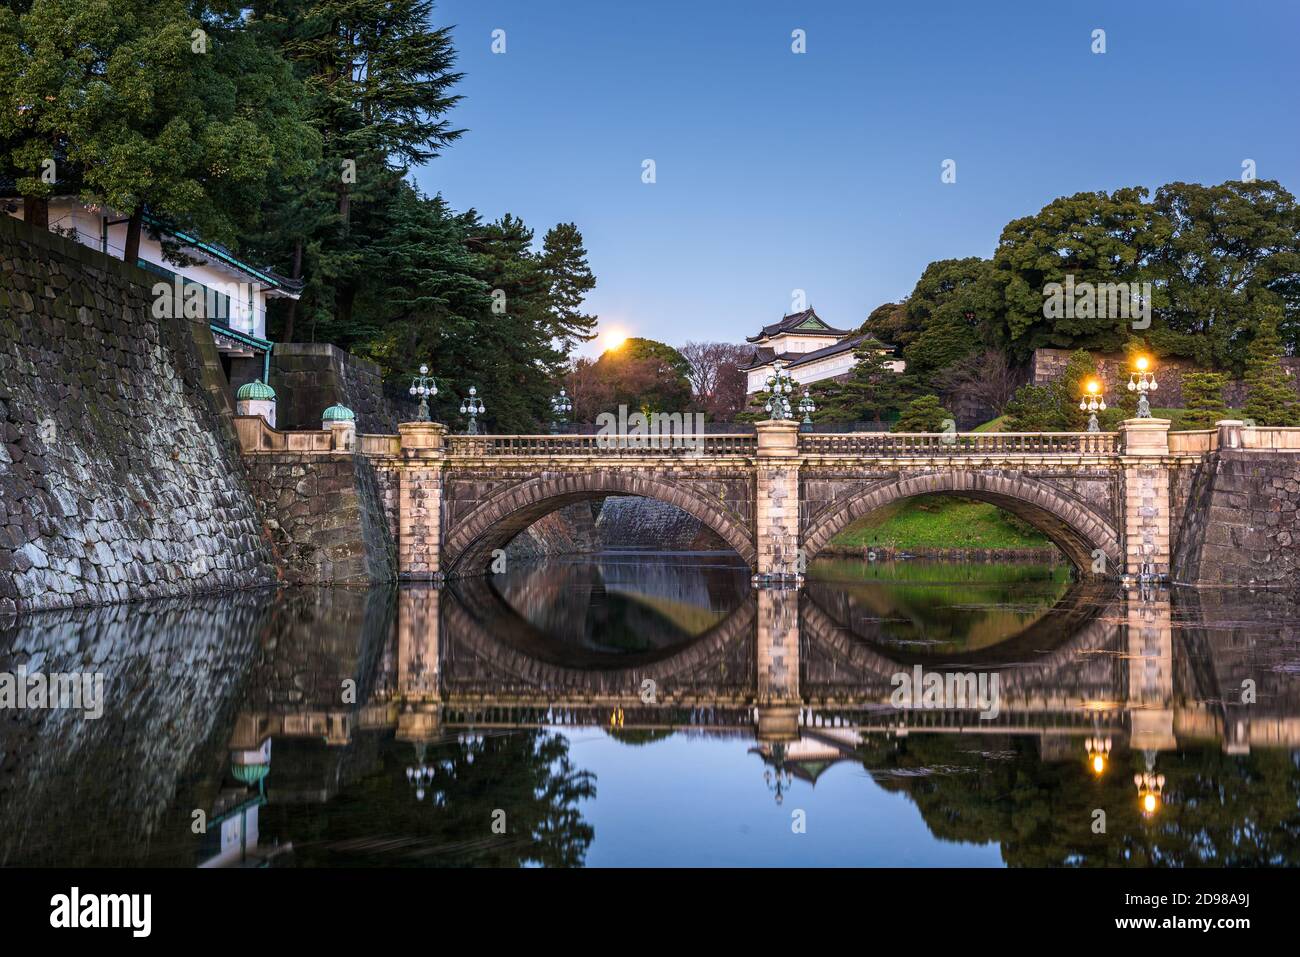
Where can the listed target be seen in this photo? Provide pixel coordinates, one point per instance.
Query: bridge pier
(1145, 501)
(419, 536)
(777, 697)
(776, 503)
(1150, 666)
(418, 657)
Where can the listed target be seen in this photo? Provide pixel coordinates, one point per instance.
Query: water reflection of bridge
(346, 681)
(784, 669)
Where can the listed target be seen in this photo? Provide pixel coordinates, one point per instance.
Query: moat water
(656, 709)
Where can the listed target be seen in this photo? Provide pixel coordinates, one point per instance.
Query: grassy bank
(938, 521)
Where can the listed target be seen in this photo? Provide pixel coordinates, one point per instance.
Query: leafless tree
(986, 378)
(716, 377)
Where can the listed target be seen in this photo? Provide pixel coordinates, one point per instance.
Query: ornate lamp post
(561, 406)
(1093, 403)
(423, 386)
(807, 407)
(473, 407)
(1143, 382)
(779, 386)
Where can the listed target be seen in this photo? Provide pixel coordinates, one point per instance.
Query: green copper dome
(250, 774)
(338, 413)
(255, 390)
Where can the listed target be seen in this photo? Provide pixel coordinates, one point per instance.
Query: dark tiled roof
(764, 355)
(791, 322)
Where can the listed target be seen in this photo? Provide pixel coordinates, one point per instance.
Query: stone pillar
(1145, 506)
(343, 435)
(777, 664)
(1150, 664)
(419, 693)
(419, 501)
(776, 505)
(1230, 436)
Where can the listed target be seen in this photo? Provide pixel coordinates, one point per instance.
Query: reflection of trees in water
(377, 820)
(1219, 810)
(945, 608)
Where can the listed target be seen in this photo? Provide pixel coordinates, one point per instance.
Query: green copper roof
(338, 413)
(257, 389)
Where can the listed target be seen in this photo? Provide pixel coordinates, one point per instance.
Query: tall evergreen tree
(871, 392)
(160, 105)
(381, 80)
(1271, 399)
(1203, 399)
(568, 280)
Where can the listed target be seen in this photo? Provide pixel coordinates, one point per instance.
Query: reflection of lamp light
(1098, 754)
(777, 777)
(420, 777)
(1150, 788)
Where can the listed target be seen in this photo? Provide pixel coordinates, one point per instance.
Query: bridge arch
(1073, 526)
(510, 647)
(468, 549)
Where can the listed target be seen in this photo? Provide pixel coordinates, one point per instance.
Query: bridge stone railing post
(1146, 501)
(776, 506)
(423, 449)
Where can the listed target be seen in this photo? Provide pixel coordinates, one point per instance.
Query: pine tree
(871, 392)
(924, 414)
(1070, 388)
(1271, 399)
(1203, 399)
(568, 280)
(380, 81)
(1036, 408)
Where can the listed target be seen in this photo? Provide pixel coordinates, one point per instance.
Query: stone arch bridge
(1208, 507)
(1108, 500)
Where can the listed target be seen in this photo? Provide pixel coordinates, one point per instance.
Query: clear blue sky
(821, 171)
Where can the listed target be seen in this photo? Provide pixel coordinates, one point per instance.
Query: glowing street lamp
(1093, 403)
(423, 386)
(473, 407)
(1142, 382)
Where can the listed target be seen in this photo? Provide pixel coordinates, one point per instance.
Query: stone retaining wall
(309, 377)
(1049, 364)
(1241, 526)
(120, 478)
(324, 517)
